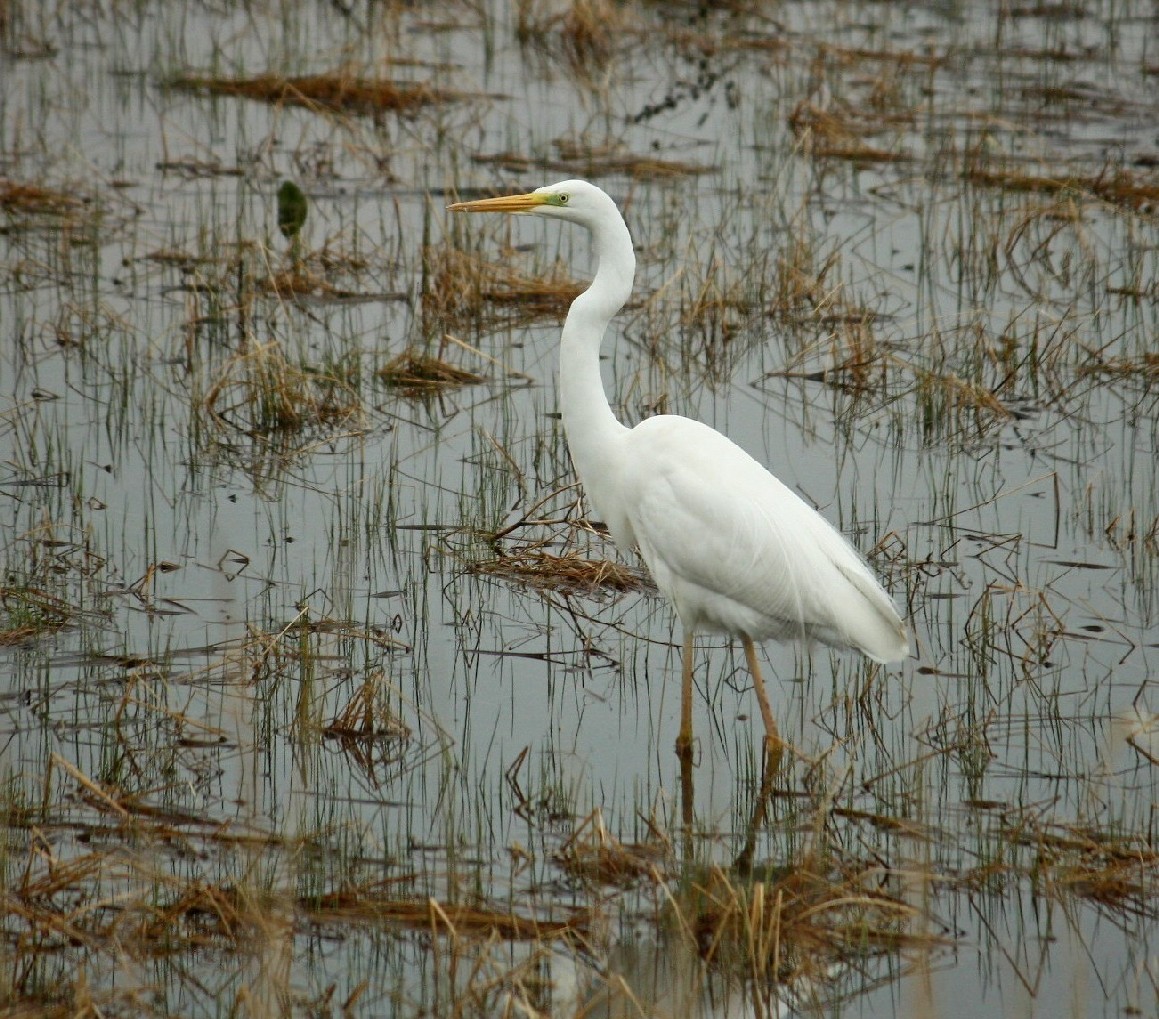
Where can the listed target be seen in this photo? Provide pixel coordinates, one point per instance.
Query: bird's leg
(773, 742)
(684, 744)
(744, 861)
(684, 738)
(686, 801)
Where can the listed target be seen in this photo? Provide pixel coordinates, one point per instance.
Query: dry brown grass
(372, 735)
(120, 907)
(585, 36)
(198, 915)
(336, 92)
(796, 924)
(840, 133)
(1115, 186)
(466, 292)
(566, 574)
(416, 373)
(849, 355)
(589, 32)
(324, 274)
(261, 393)
(28, 613)
(596, 161)
(896, 60)
(946, 395)
(366, 716)
(1116, 871)
(180, 259)
(301, 282)
(16, 196)
(762, 929)
(801, 285)
(593, 854)
(713, 309)
(374, 904)
(1144, 368)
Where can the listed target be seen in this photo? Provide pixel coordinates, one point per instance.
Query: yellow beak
(505, 203)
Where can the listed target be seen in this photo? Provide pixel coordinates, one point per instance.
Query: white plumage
(730, 546)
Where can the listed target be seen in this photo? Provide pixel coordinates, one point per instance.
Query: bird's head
(574, 200)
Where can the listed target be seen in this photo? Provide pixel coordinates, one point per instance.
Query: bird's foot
(684, 746)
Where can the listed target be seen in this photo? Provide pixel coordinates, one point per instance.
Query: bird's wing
(713, 523)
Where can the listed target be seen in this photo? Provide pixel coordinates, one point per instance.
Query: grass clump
(46, 583)
(417, 373)
(261, 393)
(1144, 368)
(792, 927)
(1115, 870)
(19, 197)
(373, 903)
(465, 291)
(1114, 186)
(368, 731)
(566, 574)
(334, 92)
(367, 716)
(584, 36)
(841, 134)
(595, 855)
(28, 612)
(596, 161)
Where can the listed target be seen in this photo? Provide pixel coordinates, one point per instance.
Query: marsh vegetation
(321, 692)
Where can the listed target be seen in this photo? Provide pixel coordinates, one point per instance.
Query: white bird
(731, 547)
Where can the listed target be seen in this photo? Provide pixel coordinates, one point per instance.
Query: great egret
(730, 546)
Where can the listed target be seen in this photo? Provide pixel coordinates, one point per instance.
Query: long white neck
(591, 427)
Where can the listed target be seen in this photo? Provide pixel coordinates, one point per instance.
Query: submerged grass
(261, 393)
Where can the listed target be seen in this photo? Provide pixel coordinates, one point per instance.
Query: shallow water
(915, 275)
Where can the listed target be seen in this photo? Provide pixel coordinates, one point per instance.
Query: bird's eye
(563, 199)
